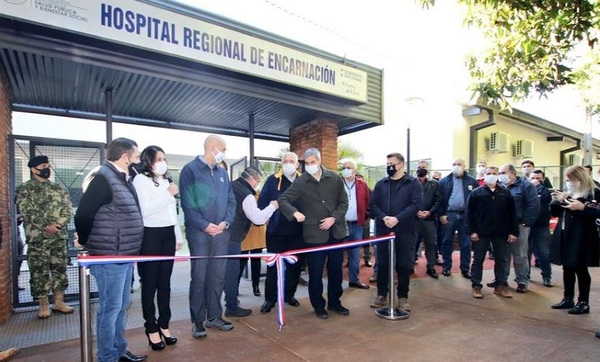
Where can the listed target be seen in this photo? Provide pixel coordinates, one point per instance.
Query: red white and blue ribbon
(272, 259)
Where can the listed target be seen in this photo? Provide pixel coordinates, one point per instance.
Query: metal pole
(251, 138)
(109, 113)
(391, 312)
(85, 319)
(408, 149)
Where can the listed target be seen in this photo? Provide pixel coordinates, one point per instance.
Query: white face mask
(289, 169)
(490, 179)
(572, 186)
(220, 156)
(312, 169)
(503, 178)
(346, 173)
(480, 170)
(160, 168)
(457, 170)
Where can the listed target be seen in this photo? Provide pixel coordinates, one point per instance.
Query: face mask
(160, 168)
(289, 169)
(421, 172)
(44, 172)
(503, 179)
(457, 170)
(572, 186)
(490, 179)
(391, 170)
(480, 170)
(220, 156)
(312, 169)
(346, 173)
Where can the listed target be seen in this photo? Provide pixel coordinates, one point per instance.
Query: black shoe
(522, 288)
(292, 301)
(130, 357)
(155, 346)
(368, 264)
(358, 285)
(198, 330)
(256, 291)
(466, 274)
(267, 306)
(340, 309)
(565, 303)
(580, 308)
(598, 334)
(322, 314)
(446, 272)
(432, 273)
(548, 283)
(171, 340)
(492, 284)
(238, 312)
(303, 282)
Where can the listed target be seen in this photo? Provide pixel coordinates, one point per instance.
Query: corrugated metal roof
(53, 72)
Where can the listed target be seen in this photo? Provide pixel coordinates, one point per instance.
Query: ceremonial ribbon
(272, 259)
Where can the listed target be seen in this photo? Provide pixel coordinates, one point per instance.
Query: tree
(530, 44)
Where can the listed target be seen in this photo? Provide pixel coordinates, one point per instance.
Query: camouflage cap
(37, 160)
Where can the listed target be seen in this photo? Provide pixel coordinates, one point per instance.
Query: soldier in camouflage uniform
(46, 209)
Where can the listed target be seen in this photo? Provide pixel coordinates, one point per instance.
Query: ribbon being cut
(276, 259)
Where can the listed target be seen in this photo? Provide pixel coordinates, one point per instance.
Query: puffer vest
(118, 226)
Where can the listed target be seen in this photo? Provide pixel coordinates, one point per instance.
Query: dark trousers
(582, 275)
(316, 262)
(404, 245)
(231, 276)
(156, 277)
(280, 244)
(501, 263)
(254, 267)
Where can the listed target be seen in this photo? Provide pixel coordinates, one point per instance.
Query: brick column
(5, 238)
(321, 134)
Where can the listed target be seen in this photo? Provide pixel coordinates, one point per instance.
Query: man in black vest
(246, 212)
(108, 223)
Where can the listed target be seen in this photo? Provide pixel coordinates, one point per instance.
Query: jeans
(404, 251)
(501, 266)
(539, 243)
(316, 262)
(231, 276)
(279, 244)
(114, 283)
(427, 234)
(208, 275)
(456, 222)
(356, 233)
(518, 250)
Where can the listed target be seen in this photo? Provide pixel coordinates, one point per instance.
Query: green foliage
(529, 45)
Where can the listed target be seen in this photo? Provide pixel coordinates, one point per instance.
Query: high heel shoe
(168, 340)
(256, 291)
(155, 346)
(580, 308)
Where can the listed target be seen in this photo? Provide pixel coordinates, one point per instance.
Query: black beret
(36, 161)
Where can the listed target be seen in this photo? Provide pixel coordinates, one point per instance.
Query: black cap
(37, 160)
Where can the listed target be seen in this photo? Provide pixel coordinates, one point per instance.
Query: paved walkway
(446, 324)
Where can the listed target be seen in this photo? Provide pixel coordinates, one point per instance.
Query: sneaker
(198, 330)
(403, 304)
(379, 301)
(548, 283)
(373, 279)
(477, 292)
(522, 288)
(219, 323)
(492, 284)
(341, 310)
(502, 291)
(238, 312)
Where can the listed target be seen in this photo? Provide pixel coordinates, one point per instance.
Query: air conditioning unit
(498, 142)
(523, 149)
(574, 160)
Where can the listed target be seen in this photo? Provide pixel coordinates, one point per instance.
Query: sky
(421, 52)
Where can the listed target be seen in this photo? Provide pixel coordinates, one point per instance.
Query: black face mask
(391, 170)
(44, 172)
(421, 172)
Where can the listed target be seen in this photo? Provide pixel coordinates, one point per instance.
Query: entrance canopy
(158, 63)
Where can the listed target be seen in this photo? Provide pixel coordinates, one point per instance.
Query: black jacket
(432, 198)
(401, 199)
(491, 213)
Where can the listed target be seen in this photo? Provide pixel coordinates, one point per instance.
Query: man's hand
(213, 229)
(274, 203)
(52, 229)
(76, 240)
(511, 238)
(444, 219)
(390, 221)
(299, 216)
(326, 223)
(423, 214)
(178, 245)
(474, 237)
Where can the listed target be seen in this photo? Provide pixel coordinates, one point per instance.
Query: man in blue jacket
(394, 204)
(527, 207)
(456, 188)
(209, 206)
